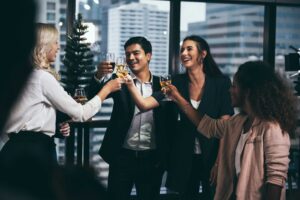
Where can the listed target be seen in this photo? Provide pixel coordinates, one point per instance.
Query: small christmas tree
(78, 59)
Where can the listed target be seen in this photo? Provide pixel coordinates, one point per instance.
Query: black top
(215, 102)
(121, 117)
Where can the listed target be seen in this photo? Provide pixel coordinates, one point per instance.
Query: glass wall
(287, 53)
(287, 38)
(234, 32)
(114, 22)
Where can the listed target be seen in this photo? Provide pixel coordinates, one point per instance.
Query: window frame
(174, 27)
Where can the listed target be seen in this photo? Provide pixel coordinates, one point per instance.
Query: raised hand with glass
(107, 65)
(164, 81)
(121, 67)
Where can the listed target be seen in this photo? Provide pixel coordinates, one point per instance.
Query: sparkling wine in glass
(80, 96)
(164, 81)
(121, 68)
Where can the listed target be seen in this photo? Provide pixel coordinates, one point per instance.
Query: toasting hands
(114, 84)
(128, 80)
(104, 68)
(111, 86)
(172, 92)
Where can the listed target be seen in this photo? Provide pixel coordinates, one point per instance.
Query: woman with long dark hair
(207, 90)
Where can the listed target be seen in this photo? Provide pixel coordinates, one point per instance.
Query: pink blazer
(264, 158)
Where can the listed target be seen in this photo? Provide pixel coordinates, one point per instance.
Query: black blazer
(120, 121)
(215, 102)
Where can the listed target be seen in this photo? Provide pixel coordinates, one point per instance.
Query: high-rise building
(106, 5)
(138, 19)
(92, 12)
(235, 33)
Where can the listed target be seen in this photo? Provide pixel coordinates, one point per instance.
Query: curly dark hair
(270, 97)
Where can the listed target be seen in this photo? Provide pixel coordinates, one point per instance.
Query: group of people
(148, 135)
(194, 137)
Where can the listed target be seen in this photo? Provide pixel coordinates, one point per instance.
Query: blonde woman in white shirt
(31, 124)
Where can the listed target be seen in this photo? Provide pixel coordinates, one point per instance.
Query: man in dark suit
(135, 143)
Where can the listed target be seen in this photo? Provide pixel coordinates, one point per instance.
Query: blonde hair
(46, 35)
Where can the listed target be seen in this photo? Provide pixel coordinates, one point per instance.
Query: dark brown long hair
(268, 94)
(210, 67)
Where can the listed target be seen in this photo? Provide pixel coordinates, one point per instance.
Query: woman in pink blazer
(254, 160)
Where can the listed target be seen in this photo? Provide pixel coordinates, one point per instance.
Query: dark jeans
(198, 175)
(139, 168)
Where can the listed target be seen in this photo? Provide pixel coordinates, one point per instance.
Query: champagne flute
(79, 96)
(164, 81)
(121, 68)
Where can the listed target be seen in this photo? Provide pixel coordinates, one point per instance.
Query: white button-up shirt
(35, 108)
(140, 135)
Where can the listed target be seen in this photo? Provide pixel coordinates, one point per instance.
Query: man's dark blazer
(120, 121)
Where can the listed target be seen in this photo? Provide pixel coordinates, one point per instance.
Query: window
(51, 5)
(287, 35)
(50, 16)
(287, 46)
(234, 32)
